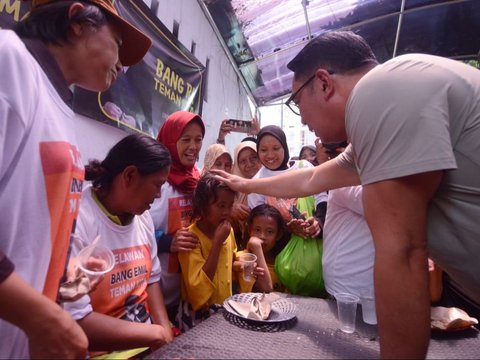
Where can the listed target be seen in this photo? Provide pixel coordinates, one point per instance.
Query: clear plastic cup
(347, 311)
(369, 313)
(248, 260)
(96, 260)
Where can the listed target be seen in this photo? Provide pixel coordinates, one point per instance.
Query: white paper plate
(282, 309)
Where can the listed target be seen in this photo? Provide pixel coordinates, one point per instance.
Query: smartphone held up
(296, 214)
(242, 126)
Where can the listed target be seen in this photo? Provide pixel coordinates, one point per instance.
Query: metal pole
(281, 114)
(305, 4)
(399, 26)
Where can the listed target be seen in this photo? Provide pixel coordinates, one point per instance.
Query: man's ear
(327, 85)
(75, 27)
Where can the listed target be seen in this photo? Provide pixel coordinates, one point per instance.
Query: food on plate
(450, 319)
(258, 308)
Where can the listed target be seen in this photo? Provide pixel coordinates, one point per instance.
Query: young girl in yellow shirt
(207, 269)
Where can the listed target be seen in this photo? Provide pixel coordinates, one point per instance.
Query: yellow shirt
(197, 288)
(277, 285)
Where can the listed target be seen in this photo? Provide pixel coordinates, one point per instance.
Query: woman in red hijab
(182, 133)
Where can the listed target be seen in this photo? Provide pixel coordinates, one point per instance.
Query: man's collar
(50, 66)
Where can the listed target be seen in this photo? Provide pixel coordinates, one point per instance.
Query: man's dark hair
(50, 22)
(336, 51)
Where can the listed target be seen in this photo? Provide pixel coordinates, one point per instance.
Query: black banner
(169, 78)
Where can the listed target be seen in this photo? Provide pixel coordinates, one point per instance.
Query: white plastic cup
(369, 313)
(347, 311)
(96, 260)
(248, 260)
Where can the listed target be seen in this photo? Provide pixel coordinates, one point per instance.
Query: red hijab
(183, 179)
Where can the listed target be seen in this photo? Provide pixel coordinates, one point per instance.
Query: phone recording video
(296, 214)
(242, 126)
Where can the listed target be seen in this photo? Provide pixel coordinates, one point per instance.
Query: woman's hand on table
(161, 335)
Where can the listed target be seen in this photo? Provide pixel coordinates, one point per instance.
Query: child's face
(266, 229)
(220, 210)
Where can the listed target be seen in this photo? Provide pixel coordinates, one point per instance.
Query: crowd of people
(386, 196)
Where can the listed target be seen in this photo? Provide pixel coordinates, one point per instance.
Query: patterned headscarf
(238, 149)
(182, 178)
(278, 134)
(214, 151)
(241, 197)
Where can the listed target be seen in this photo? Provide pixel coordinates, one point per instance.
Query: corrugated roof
(264, 35)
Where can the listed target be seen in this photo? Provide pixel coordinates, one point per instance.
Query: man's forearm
(51, 331)
(396, 212)
(16, 296)
(403, 306)
(304, 182)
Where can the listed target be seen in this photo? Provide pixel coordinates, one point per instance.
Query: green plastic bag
(299, 264)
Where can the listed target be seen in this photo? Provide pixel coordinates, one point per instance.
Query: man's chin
(317, 134)
(310, 128)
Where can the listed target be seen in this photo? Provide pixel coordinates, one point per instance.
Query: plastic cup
(96, 260)
(347, 311)
(248, 260)
(369, 313)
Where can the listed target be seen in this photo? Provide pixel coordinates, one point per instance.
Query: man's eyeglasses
(291, 100)
(292, 105)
